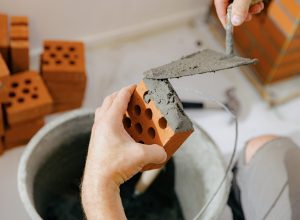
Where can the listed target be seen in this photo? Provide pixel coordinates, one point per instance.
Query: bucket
(54, 159)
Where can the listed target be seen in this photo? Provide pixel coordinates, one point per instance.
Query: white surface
(69, 19)
(110, 68)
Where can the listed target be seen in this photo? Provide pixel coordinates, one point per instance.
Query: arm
(241, 10)
(113, 157)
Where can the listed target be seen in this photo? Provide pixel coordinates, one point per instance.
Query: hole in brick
(47, 47)
(72, 62)
(21, 100)
(53, 55)
(151, 132)
(14, 84)
(8, 104)
(66, 55)
(58, 61)
(141, 142)
(162, 123)
(25, 91)
(46, 62)
(72, 49)
(138, 128)
(34, 96)
(58, 48)
(137, 110)
(146, 99)
(27, 81)
(148, 113)
(11, 94)
(126, 122)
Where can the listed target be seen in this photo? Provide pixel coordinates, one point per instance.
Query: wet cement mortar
(57, 188)
(169, 104)
(204, 61)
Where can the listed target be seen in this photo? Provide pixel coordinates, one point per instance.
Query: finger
(257, 8)
(152, 154)
(249, 17)
(221, 8)
(121, 101)
(105, 105)
(240, 10)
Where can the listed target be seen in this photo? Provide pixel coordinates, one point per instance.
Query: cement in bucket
(199, 168)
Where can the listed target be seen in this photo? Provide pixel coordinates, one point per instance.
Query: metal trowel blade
(197, 63)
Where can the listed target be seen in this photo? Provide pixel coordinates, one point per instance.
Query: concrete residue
(169, 104)
(201, 62)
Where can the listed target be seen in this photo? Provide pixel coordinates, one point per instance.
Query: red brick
(19, 32)
(63, 60)
(151, 128)
(19, 20)
(1, 146)
(1, 122)
(4, 36)
(21, 133)
(19, 55)
(61, 107)
(26, 97)
(4, 71)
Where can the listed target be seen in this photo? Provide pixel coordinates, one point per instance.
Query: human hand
(241, 10)
(113, 157)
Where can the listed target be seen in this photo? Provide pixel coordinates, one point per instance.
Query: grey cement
(169, 104)
(197, 63)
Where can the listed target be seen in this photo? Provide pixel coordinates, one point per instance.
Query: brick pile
(26, 96)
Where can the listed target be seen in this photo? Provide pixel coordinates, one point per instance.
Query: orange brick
(63, 60)
(1, 122)
(26, 97)
(147, 124)
(61, 107)
(4, 72)
(19, 55)
(1, 146)
(21, 133)
(4, 39)
(283, 21)
(19, 20)
(19, 32)
(293, 7)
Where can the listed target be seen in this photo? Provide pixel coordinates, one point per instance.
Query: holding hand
(113, 157)
(241, 10)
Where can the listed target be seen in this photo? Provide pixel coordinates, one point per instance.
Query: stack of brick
(63, 70)
(19, 44)
(25, 100)
(274, 38)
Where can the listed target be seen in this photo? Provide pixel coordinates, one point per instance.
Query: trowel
(203, 61)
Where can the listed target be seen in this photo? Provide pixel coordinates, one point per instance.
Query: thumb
(240, 10)
(153, 154)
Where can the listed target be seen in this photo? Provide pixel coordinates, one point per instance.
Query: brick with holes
(1, 121)
(155, 116)
(4, 71)
(63, 61)
(1, 145)
(4, 36)
(19, 44)
(20, 133)
(25, 97)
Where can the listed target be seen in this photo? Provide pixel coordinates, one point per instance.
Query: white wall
(78, 19)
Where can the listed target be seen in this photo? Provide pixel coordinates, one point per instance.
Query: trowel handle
(192, 105)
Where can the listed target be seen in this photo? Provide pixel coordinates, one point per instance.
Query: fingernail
(236, 20)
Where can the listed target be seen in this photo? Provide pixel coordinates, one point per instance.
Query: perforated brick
(4, 71)
(146, 124)
(26, 97)
(1, 146)
(4, 36)
(63, 61)
(21, 133)
(19, 44)
(1, 122)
